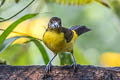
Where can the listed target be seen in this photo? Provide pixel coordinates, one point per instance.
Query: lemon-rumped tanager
(60, 39)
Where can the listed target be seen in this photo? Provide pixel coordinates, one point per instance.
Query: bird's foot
(48, 68)
(74, 65)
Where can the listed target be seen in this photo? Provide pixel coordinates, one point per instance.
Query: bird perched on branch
(60, 39)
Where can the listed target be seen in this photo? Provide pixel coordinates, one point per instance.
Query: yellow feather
(56, 42)
(75, 35)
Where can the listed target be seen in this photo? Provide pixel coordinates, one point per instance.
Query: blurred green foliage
(103, 21)
(116, 6)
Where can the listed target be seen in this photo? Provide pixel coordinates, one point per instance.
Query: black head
(54, 23)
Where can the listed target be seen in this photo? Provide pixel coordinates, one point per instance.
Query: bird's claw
(74, 65)
(48, 68)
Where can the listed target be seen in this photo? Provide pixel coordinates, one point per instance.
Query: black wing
(80, 29)
(68, 34)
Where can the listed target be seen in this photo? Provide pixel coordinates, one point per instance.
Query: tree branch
(8, 72)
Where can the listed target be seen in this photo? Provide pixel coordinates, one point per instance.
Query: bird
(60, 39)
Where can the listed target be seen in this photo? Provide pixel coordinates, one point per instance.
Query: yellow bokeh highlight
(76, 2)
(79, 2)
(37, 27)
(110, 59)
(34, 28)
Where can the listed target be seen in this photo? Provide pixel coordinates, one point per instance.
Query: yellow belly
(56, 42)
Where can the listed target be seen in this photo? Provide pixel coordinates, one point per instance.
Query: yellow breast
(55, 41)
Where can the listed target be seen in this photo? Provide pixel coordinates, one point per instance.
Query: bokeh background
(100, 47)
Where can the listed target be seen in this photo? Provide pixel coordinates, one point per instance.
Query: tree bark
(8, 72)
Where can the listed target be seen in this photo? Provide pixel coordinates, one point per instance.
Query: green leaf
(2, 2)
(9, 41)
(1, 18)
(13, 25)
(42, 50)
(37, 43)
(17, 12)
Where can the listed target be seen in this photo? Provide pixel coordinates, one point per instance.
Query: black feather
(80, 29)
(68, 34)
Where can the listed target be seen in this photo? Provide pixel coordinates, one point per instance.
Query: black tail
(80, 29)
